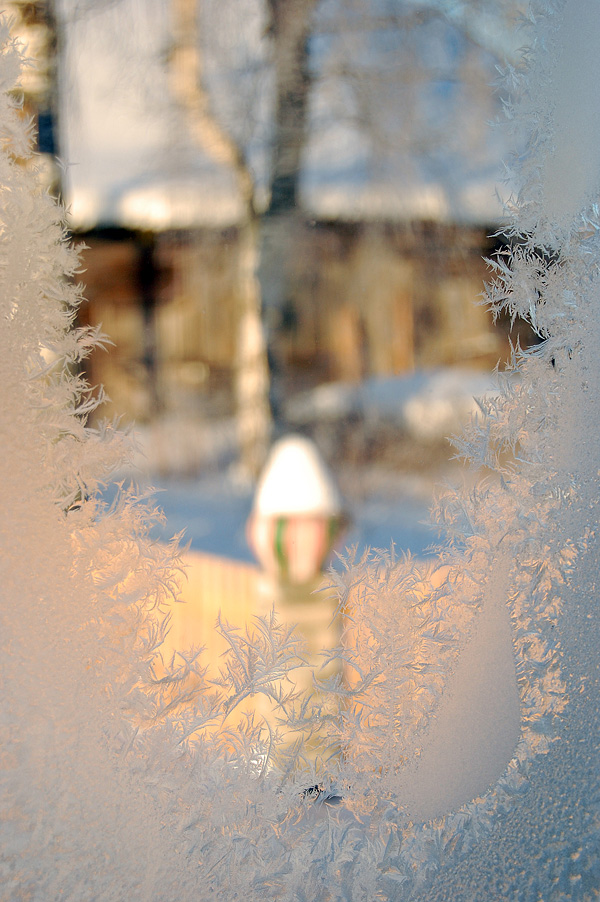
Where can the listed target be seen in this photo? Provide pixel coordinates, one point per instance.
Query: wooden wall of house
(374, 299)
(113, 301)
(367, 300)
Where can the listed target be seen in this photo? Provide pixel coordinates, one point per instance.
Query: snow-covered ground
(399, 425)
(212, 511)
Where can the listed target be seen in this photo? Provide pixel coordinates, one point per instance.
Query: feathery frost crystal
(455, 754)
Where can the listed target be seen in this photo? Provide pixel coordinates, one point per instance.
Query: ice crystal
(453, 754)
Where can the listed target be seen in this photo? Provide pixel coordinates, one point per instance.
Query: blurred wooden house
(371, 299)
(387, 267)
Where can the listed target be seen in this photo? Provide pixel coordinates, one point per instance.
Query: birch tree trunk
(290, 30)
(252, 375)
(267, 241)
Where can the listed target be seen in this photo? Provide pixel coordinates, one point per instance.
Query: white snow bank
(177, 445)
(445, 402)
(426, 405)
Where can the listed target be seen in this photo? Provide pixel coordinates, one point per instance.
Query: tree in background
(272, 89)
(230, 143)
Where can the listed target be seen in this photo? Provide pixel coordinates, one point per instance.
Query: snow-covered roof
(399, 133)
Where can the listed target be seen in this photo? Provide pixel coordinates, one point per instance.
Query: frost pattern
(452, 757)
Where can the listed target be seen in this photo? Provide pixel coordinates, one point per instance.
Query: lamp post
(297, 514)
(295, 521)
